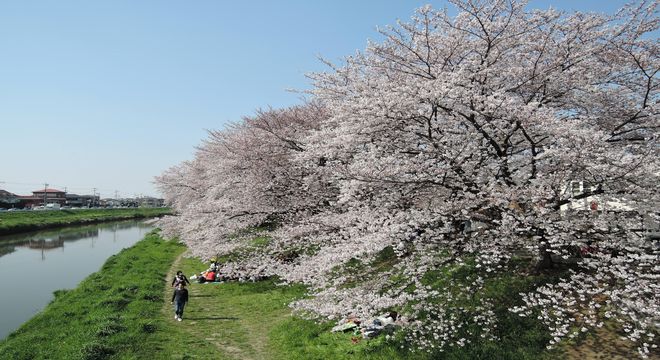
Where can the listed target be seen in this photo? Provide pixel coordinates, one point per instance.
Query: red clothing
(210, 276)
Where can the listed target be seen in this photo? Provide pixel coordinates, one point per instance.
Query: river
(36, 264)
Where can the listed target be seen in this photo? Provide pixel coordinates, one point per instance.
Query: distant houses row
(47, 196)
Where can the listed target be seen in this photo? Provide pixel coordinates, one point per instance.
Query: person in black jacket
(180, 278)
(179, 299)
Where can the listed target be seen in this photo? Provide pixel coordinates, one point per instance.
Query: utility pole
(45, 193)
(94, 197)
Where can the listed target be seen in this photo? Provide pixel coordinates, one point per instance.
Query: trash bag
(344, 327)
(383, 323)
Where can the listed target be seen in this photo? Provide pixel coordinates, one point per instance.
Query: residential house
(8, 200)
(42, 197)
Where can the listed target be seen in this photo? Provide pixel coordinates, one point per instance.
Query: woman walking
(179, 299)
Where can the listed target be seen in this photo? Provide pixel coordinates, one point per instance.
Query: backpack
(178, 280)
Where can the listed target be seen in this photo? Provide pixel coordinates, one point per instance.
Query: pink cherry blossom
(455, 139)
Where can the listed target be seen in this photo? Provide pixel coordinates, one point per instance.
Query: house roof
(48, 191)
(6, 193)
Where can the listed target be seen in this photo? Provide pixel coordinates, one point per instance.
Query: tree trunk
(545, 260)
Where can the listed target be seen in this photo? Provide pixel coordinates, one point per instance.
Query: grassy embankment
(114, 313)
(123, 312)
(18, 221)
(252, 321)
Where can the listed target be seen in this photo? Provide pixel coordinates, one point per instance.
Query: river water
(34, 265)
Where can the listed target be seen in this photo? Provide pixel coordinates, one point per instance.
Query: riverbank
(115, 311)
(12, 222)
(123, 312)
(44, 261)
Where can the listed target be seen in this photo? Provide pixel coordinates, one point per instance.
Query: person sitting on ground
(214, 265)
(180, 278)
(207, 276)
(210, 276)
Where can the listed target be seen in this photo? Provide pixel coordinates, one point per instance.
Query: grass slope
(114, 313)
(123, 312)
(18, 221)
(253, 321)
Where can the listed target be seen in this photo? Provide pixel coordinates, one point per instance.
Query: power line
(24, 188)
(80, 187)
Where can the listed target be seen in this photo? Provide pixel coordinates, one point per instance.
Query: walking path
(236, 320)
(230, 318)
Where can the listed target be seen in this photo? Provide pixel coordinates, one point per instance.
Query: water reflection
(53, 260)
(49, 240)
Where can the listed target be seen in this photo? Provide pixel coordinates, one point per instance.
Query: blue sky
(108, 94)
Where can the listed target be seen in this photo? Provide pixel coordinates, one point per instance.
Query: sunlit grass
(123, 312)
(17, 221)
(114, 313)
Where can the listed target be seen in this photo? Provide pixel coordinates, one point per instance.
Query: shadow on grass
(212, 318)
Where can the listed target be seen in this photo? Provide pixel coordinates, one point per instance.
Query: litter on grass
(382, 324)
(385, 323)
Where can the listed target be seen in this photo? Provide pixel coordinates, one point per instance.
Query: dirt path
(605, 345)
(235, 335)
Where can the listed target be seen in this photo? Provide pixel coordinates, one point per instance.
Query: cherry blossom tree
(454, 142)
(242, 177)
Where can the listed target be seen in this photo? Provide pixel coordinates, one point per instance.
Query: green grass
(253, 321)
(256, 323)
(114, 313)
(235, 317)
(18, 221)
(123, 312)
(518, 338)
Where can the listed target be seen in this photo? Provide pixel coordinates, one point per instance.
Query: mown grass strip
(253, 321)
(114, 313)
(19, 221)
(123, 312)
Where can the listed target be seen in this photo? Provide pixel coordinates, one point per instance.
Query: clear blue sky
(108, 94)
